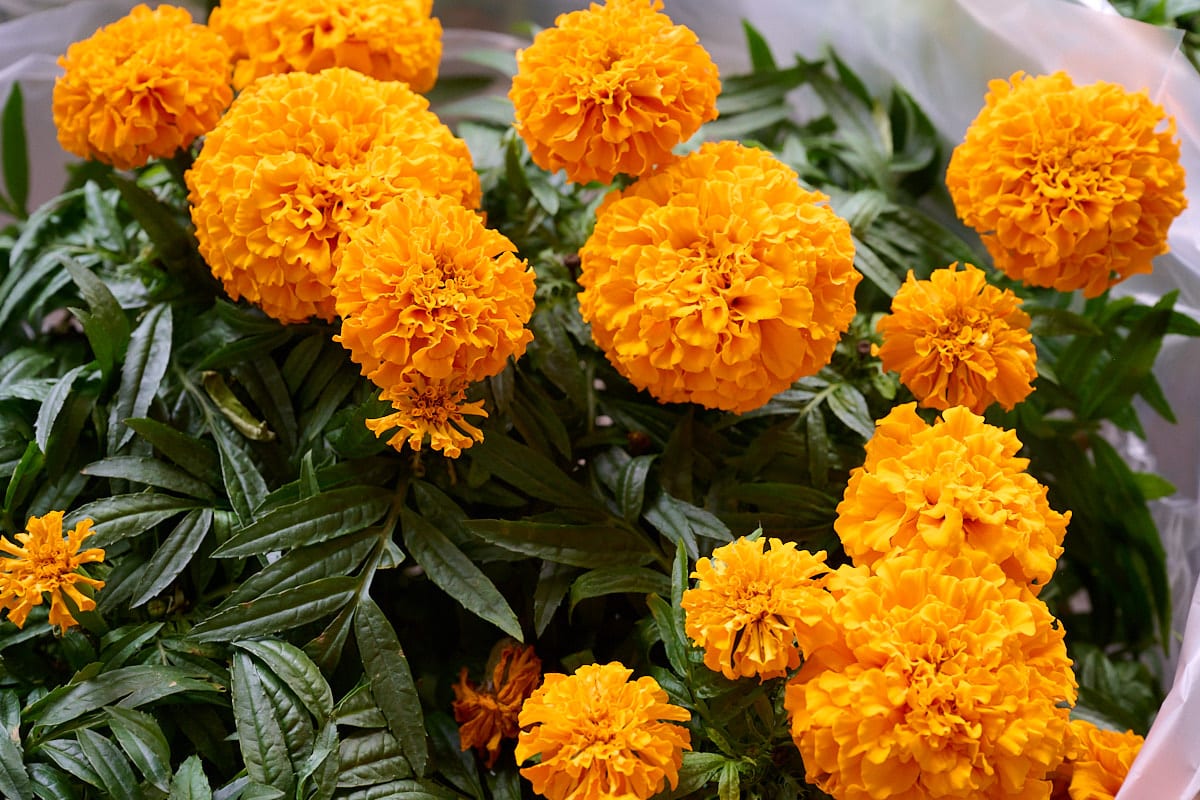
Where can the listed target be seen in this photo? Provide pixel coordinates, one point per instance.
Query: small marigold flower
(1097, 762)
(487, 714)
(1072, 187)
(611, 89)
(718, 280)
(601, 735)
(43, 562)
(753, 611)
(955, 486)
(948, 687)
(141, 88)
(392, 40)
(958, 341)
(299, 161)
(436, 410)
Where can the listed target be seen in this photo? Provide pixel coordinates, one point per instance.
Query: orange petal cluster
(1072, 187)
(298, 162)
(487, 714)
(600, 735)
(958, 341)
(1097, 762)
(392, 40)
(718, 280)
(141, 88)
(612, 89)
(43, 562)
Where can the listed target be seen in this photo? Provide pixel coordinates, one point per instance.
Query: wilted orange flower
(141, 88)
(1072, 187)
(45, 563)
(753, 611)
(1097, 762)
(486, 714)
(946, 687)
(611, 89)
(955, 486)
(423, 408)
(601, 735)
(298, 162)
(718, 280)
(958, 341)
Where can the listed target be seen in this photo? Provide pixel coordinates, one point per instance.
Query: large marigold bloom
(955, 486)
(718, 280)
(753, 611)
(949, 687)
(958, 341)
(1072, 187)
(611, 89)
(43, 562)
(601, 736)
(1097, 762)
(487, 714)
(141, 88)
(299, 161)
(392, 40)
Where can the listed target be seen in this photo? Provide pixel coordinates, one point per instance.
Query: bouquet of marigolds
(594, 426)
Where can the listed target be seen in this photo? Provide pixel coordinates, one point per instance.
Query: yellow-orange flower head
(611, 89)
(392, 40)
(141, 88)
(298, 162)
(718, 280)
(950, 687)
(958, 341)
(956, 486)
(1072, 187)
(487, 714)
(754, 611)
(43, 562)
(1097, 761)
(434, 410)
(601, 735)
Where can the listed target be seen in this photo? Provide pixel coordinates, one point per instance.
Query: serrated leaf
(110, 765)
(531, 472)
(152, 472)
(297, 671)
(848, 405)
(366, 759)
(127, 686)
(50, 783)
(631, 486)
(190, 782)
(68, 755)
(52, 406)
(260, 731)
(270, 614)
(316, 519)
(145, 365)
(124, 516)
(618, 580)
(105, 323)
(874, 268)
(173, 555)
(183, 450)
(670, 631)
(577, 545)
(1124, 372)
(322, 766)
(14, 778)
(300, 566)
(243, 482)
(143, 741)
(175, 244)
(391, 682)
(553, 582)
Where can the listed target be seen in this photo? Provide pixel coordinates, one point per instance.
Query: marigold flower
(1097, 761)
(955, 486)
(46, 563)
(141, 88)
(423, 408)
(392, 40)
(601, 735)
(958, 341)
(299, 161)
(951, 688)
(486, 714)
(718, 280)
(611, 89)
(753, 611)
(1072, 187)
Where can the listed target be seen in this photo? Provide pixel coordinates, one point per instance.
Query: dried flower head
(943, 686)
(141, 88)
(487, 714)
(958, 341)
(600, 735)
(611, 89)
(392, 40)
(1097, 762)
(955, 486)
(1072, 187)
(298, 162)
(434, 410)
(718, 280)
(755, 611)
(43, 562)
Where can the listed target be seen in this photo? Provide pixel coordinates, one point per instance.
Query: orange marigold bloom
(950, 687)
(299, 161)
(1097, 761)
(1072, 187)
(423, 408)
(718, 280)
(141, 88)
(611, 89)
(392, 40)
(753, 611)
(958, 341)
(486, 714)
(955, 486)
(601, 735)
(46, 563)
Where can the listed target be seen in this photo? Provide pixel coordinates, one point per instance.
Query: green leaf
(50, 783)
(173, 555)
(1129, 365)
(191, 454)
(1044, 321)
(68, 755)
(105, 324)
(367, 759)
(670, 630)
(141, 374)
(631, 486)
(577, 545)
(309, 521)
(124, 516)
(152, 472)
(297, 671)
(14, 779)
(21, 482)
(110, 765)
(531, 472)
(259, 727)
(761, 59)
(874, 268)
(1152, 486)
(618, 580)
(129, 686)
(243, 482)
(305, 564)
(322, 764)
(190, 782)
(143, 741)
(15, 157)
(391, 682)
(553, 582)
(457, 575)
(270, 614)
(848, 404)
(176, 245)
(52, 406)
